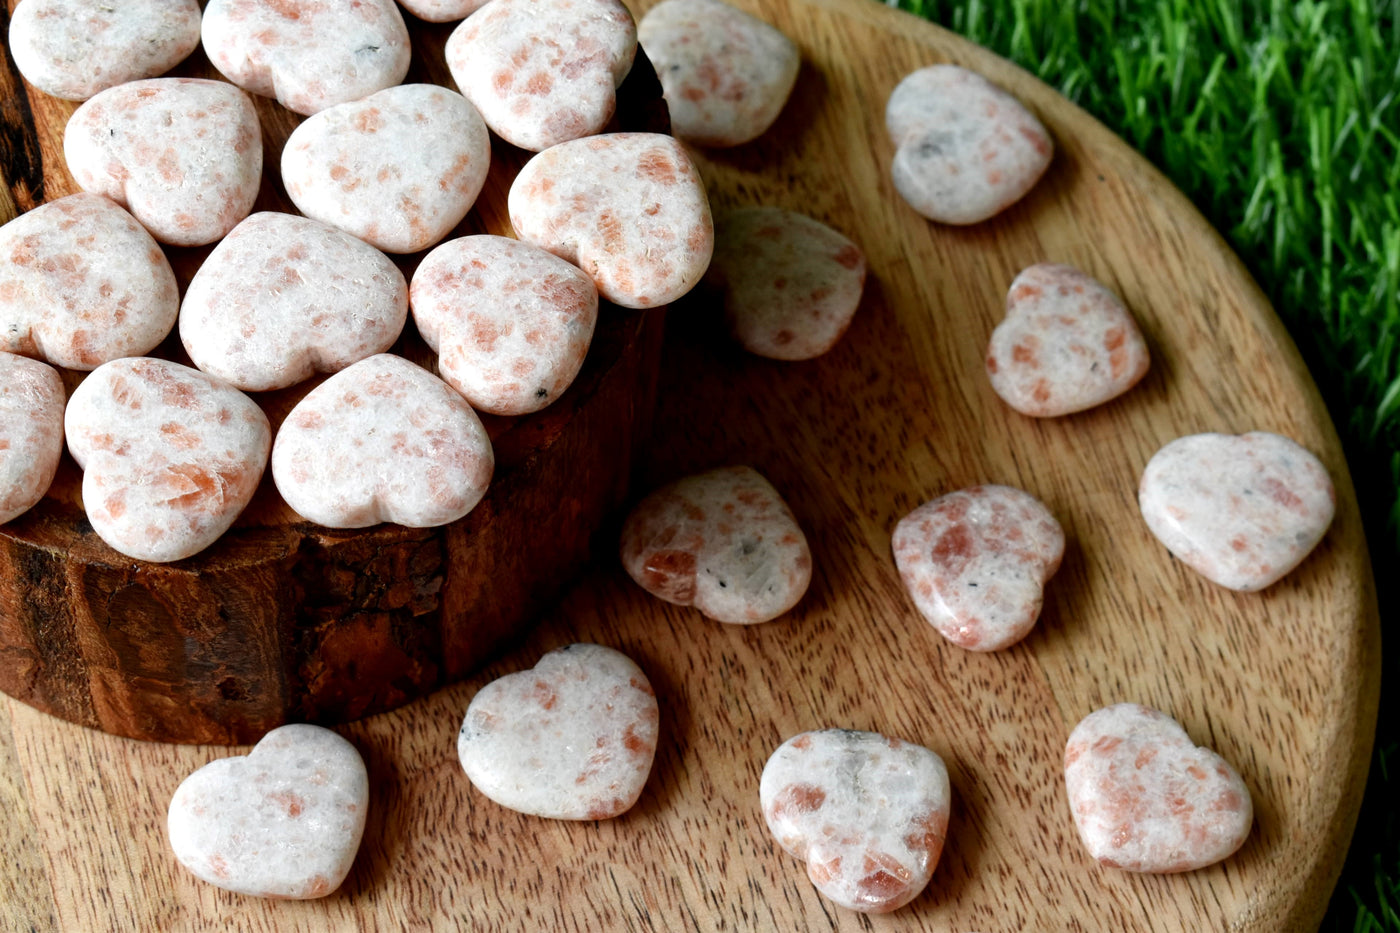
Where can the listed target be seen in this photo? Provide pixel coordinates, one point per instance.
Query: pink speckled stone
(571, 739)
(285, 821)
(965, 149)
(442, 11)
(1240, 510)
(724, 542)
(184, 155)
(31, 432)
(1066, 344)
(976, 562)
(284, 297)
(791, 284)
(627, 208)
(308, 54)
(382, 441)
(868, 814)
(726, 75)
(81, 283)
(75, 48)
(398, 169)
(511, 323)
(1145, 798)
(543, 72)
(170, 456)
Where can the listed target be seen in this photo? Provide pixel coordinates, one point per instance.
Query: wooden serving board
(1283, 683)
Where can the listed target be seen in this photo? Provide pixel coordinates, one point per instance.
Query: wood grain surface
(1283, 683)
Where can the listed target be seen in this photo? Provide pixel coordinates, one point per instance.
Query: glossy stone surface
(1146, 799)
(183, 155)
(726, 74)
(867, 813)
(1066, 344)
(398, 169)
(511, 323)
(442, 11)
(543, 72)
(382, 441)
(309, 56)
(965, 149)
(284, 821)
(724, 542)
(629, 209)
(791, 284)
(571, 739)
(74, 49)
(31, 432)
(976, 562)
(170, 455)
(284, 297)
(1240, 510)
(82, 283)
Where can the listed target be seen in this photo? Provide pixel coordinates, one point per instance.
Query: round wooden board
(1283, 683)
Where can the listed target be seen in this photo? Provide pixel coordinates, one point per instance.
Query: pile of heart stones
(172, 454)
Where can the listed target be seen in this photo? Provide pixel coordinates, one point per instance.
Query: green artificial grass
(1281, 122)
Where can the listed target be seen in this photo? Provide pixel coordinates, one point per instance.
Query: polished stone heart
(543, 72)
(868, 814)
(398, 169)
(285, 821)
(510, 322)
(790, 284)
(183, 155)
(1066, 344)
(726, 74)
(965, 150)
(629, 209)
(571, 739)
(31, 432)
(309, 56)
(284, 297)
(724, 542)
(82, 283)
(1240, 510)
(976, 562)
(170, 456)
(382, 441)
(1146, 798)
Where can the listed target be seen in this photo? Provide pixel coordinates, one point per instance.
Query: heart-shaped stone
(284, 821)
(965, 150)
(543, 72)
(382, 441)
(183, 155)
(309, 56)
(726, 75)
(398, 169)
(1145, 798)
(283, 297)
(976, 562)
(511, 323)
(1240, 510)
(81, 283)
(627, 208)
(1066, 344)
(724, 542)
(868, 814)
(571, 739)
(791, 284)
(31, 432)
(75, 48)
(170, 455)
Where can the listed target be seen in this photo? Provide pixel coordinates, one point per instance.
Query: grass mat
(1281, 122)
